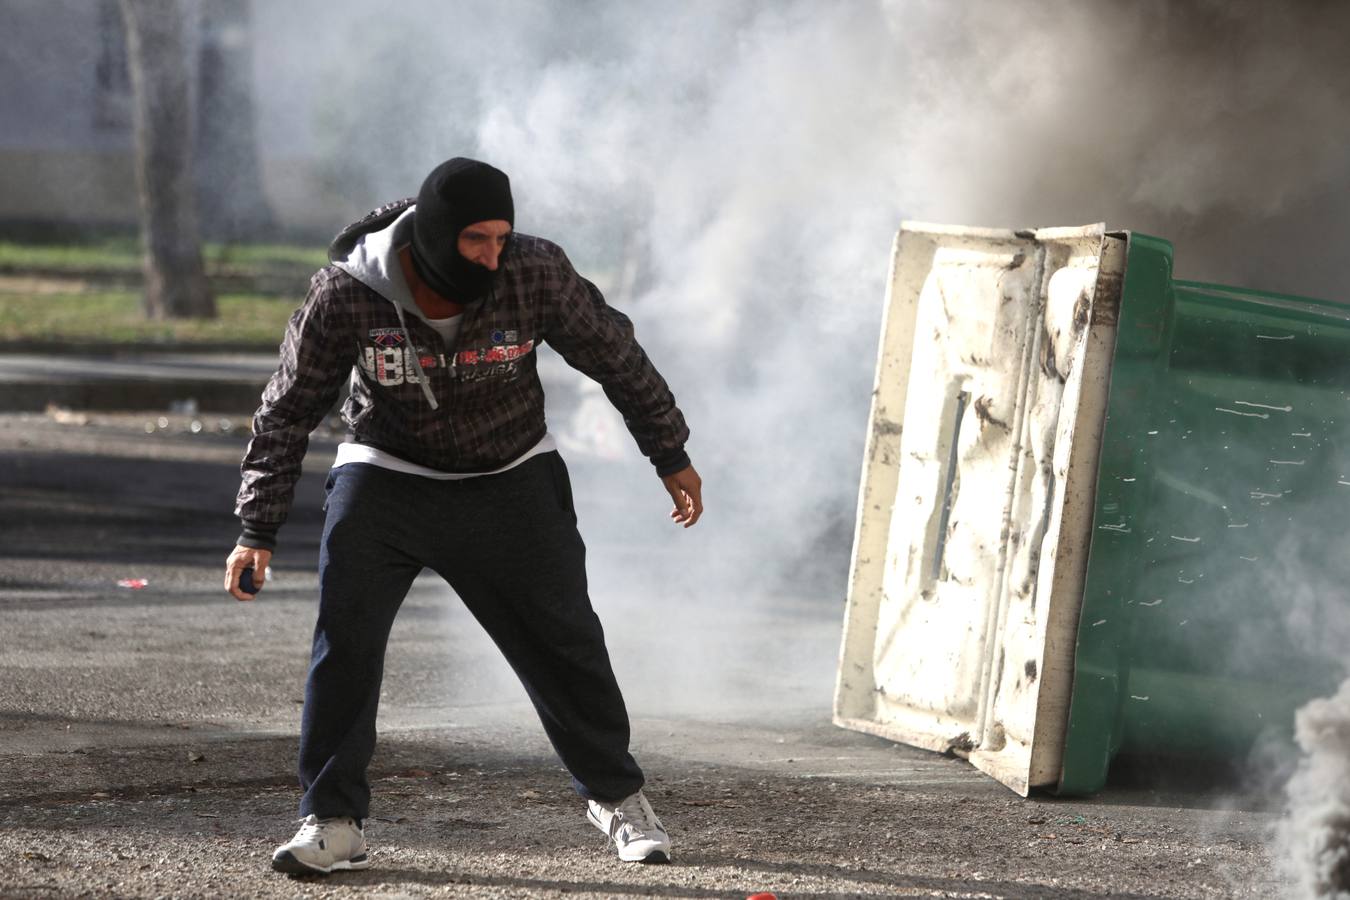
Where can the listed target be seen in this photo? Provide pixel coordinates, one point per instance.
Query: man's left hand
(686, 489)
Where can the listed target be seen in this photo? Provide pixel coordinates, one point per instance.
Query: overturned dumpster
(1100, 508)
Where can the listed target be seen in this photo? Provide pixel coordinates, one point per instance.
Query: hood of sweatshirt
(368, 249)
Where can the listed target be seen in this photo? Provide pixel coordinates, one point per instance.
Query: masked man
(435, 309)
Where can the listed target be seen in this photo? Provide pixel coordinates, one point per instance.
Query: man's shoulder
(529, 249)
(328, 280)
(334, 287)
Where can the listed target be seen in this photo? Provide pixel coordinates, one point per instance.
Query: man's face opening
(482, 243)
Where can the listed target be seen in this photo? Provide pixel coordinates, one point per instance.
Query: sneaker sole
(288, 863)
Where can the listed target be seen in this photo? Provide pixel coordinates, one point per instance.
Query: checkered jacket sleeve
(317, 355)
(598, 340)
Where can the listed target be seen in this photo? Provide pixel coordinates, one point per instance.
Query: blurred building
(66, 131)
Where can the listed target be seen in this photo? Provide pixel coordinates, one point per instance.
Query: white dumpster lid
(975, 507)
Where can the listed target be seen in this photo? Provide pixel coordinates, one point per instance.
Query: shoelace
(311, 829)
(635, 816)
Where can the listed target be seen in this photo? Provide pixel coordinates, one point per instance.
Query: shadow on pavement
(91, 508)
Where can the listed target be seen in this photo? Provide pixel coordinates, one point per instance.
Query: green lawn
(124, 255)
(265, 256)
(110, 317)
(84, 293)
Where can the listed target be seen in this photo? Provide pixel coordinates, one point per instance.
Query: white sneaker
(323, 846)
(633, 827)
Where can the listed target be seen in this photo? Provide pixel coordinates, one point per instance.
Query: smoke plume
(744, 165)
(734, 173)
(1314, 838)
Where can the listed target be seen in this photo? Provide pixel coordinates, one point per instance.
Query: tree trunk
(229, 177)
(175, 279)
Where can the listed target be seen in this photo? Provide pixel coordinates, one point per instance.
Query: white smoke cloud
(747, 164)
(1313, 840)
(761, 155)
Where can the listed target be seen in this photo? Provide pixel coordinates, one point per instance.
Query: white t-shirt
(448, 329)
(348, 452)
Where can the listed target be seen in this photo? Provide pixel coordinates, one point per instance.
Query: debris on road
(62, 415)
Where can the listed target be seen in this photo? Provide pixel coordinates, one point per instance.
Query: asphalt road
(147, 733)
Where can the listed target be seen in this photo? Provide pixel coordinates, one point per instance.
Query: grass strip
(116, 317)
(123, 254)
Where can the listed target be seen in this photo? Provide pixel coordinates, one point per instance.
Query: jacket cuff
(259, 535)
(670, 461)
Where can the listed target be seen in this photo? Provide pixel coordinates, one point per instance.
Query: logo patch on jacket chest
(490, 362)
(393, 365)
(506, 353)
(388, 337)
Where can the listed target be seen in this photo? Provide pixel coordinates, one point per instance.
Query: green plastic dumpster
(1100, 508)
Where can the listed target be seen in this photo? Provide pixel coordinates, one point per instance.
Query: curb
(123, 379)
(239, 398)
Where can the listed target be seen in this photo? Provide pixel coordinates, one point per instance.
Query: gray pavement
(147, 734)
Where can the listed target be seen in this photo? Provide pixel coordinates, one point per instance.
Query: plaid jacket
(489, 401)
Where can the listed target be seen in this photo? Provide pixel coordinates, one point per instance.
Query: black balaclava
(456, 194)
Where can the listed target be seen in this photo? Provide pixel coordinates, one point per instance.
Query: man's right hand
(242, 558)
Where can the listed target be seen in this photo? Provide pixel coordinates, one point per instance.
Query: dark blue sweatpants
(508, 544)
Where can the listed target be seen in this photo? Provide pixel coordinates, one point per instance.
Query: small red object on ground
(762, 896)
(134, 583)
